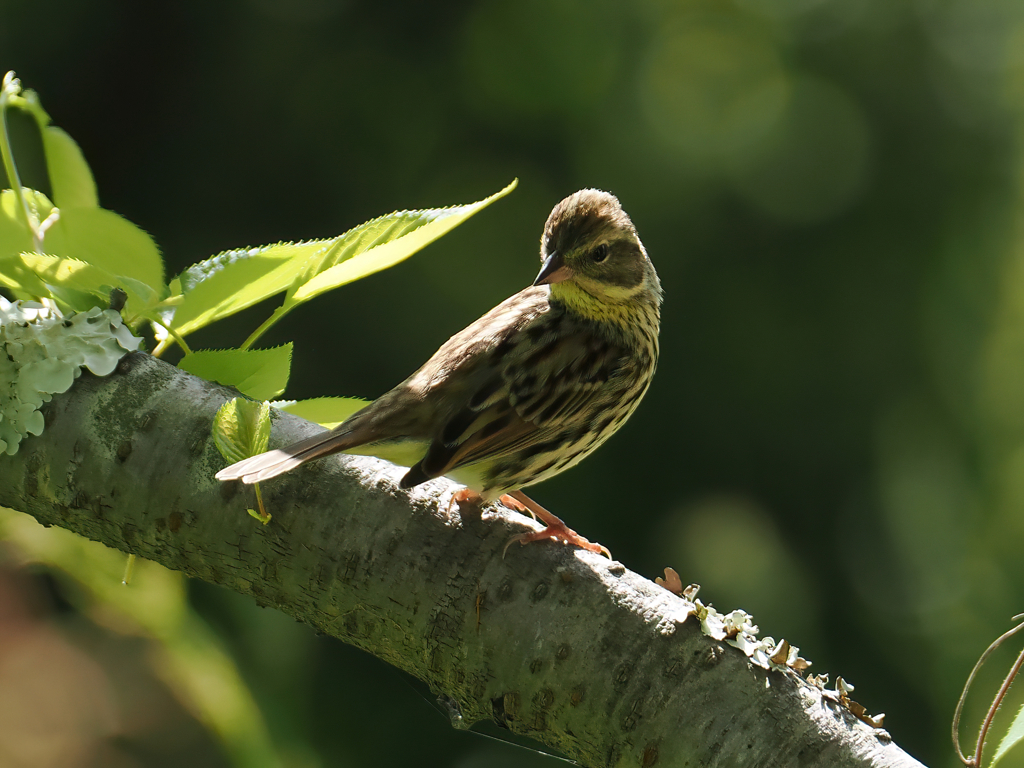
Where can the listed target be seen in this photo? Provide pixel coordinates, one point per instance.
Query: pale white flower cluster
(737, 628)
(43, 352)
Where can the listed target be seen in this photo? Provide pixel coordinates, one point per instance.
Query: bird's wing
(538, 393)
(520, 378)
(407, 415)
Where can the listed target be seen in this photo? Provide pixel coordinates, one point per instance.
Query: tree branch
(550, 642)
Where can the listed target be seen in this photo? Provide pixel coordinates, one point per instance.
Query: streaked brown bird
(530, 388)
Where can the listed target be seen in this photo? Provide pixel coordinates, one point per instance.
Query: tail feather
(373, 426)
(281, 460)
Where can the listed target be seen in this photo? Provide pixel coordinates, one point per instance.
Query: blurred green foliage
(832, 193)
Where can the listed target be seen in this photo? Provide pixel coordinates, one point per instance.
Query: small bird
(529, 389)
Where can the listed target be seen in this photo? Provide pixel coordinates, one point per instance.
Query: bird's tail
(281, 460)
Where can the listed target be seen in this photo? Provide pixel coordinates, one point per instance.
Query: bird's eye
(600, 253)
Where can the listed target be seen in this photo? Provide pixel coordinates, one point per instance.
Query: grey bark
(551, 642)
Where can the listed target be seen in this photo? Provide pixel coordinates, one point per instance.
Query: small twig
(263, 516)
(276, 315)
(129, 571)
(10, 91)
(975, 761)
(172, 337)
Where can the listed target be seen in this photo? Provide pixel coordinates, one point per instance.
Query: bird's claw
(560, 533)
(465, 496)
(555, 530)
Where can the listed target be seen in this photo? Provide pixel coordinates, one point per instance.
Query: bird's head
(591, 253)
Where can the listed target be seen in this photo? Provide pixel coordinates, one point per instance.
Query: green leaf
(14, 235)
(80, 229)
(259, 373)
(263, 518)
(71, 281)
(109, 241)
(234, 280)
(384, 242)
(326, 411)
(21, 279)
(241, 429)
(1013, 737)
(70, 178)
(38, 203)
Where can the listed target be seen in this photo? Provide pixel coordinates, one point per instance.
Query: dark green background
(830, 190)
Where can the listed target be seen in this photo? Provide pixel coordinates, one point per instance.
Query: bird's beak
(553, 271)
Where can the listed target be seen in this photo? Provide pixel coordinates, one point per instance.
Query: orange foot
(465, 496)
(555, 529)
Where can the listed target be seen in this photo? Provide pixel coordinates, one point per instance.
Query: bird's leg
(555, 529)
(517, 506)
(467, 496)
(520, 502)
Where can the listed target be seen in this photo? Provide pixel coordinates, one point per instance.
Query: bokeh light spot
(977, 34)
(711, 87)
(732, 547)
(814, 163)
